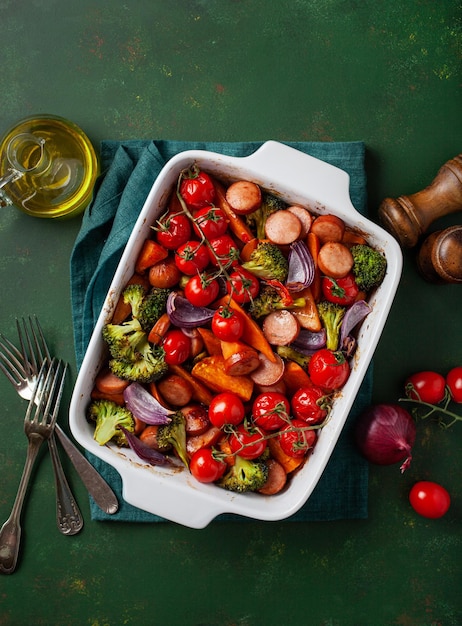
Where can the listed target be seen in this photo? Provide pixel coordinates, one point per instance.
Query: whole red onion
(385, 434)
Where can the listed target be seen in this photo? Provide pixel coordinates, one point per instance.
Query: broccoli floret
(369, 266)
(257, 219)
(134, 295)
(148, 366)
(267, 262)
(174, 434)
(331, 316)
(123, 339)
(152, 307)
(108, 416)
(244, 475)
(290, 354)
(271, 299)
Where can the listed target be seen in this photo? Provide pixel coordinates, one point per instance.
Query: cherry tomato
(243, 286)
(454, 383)
(225, 250)
(212, 222)
(177, 347)
(192, 257)
(270, 410)
(310, 405)
(201, 290)
(426, 386)
(429, 499)
(328, 370)
(197, 188)
(340, 290)
(295, 440)
(205, 467)
(249, 443)
(226, 408)
(173, 230)
(227, 324)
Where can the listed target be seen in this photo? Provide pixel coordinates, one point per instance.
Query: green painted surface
(386, 73)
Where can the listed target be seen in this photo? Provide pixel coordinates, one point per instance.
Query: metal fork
(25, 363)
(23, 375)
(46, 399)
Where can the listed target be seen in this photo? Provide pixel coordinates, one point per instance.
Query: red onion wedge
(353, 316)
(308, 342)
(385, 434)
(144, 406)
(184, 314)
(301, 267)
(154, 457)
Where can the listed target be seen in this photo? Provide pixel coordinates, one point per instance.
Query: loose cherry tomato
(429, 499)
(201, 290)
(249, 443)
(192, 257)
(227, 324)
(226, 408)
(173, 230)
(270, 410)
(212, 222)
(328, 370)
(243, 286)
(225, 250)
(205, 467)
(177, 347)
(310, 405)
(454, 383)
(426, 386)
(340, 290)
(197, 188)
(295, 440)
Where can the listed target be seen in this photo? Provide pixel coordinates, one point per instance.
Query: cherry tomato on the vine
(340, 290)
(192, 257)
(226, 408)
(205, 467)
(270, 410)
(296, 440)
(173, 230)
(328, 370)
(454, 383)
(429, 499)
(225, 249)
(426, 386)
(249, 443)
(177, 347)
(201, 290)
(212, 222)
(243, 286)
(197, 188)
(227, 324)
(310, 404)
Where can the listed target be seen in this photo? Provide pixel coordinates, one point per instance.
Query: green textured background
(386, 73)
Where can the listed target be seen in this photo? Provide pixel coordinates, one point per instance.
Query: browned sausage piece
(175, 390)
(335, 260)
(242, 363)
(205, 440)
(268, 373)
(305, 217)
(280, 328)
(283, 227)
(108, 383)
(328, 228)
(276, 480)
(196, 418)
(244, 197)
(149, 438)
(278, 387)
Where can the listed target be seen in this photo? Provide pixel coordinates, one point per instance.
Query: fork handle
(96, 486)
(10, 533)
(68, 515)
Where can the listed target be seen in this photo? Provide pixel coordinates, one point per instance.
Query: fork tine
(47, 392)
(12, 365)
(30, 362)
(52, 407)
(40, 340)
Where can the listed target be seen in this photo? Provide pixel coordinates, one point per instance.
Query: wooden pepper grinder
(408, 217)
(440, 256)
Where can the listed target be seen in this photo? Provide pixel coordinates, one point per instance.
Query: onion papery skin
(385, 434)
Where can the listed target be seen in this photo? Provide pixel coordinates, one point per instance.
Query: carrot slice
(289, 463)
(200, 392)
(151, 253)
(308, 316)
(295, 377)
(123, 310)
(211, 371)
(314, 245)
(159, 329)
(236, 224)
(211, 342)
(350, 238)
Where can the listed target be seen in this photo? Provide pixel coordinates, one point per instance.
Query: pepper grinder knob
(408, 217)
(440, 256)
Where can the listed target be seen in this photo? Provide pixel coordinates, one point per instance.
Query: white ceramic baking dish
(174, 494)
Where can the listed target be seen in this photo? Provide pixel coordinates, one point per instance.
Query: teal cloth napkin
(129, 169)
